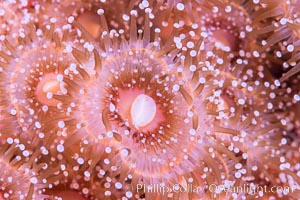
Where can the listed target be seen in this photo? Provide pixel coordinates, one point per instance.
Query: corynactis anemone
(139, 99)
(42, 94)
(139, 107)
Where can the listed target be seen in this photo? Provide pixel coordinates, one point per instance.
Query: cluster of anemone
(115, 99)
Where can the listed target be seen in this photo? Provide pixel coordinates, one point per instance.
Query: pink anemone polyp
(139, 105)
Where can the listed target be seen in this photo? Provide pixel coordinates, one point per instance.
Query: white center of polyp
(46, 88)
(143, 110)
(50, 85)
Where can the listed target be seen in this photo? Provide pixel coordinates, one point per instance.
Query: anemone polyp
(138, 97)
(140, 106)
(169, 139)
(111, 98)
(39, 78)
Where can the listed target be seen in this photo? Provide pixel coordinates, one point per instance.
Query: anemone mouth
(49, 85)
(138, 110)
(142, 78)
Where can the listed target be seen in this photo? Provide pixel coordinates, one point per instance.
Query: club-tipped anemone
(40, 78)
(252, 168)
(44, 73)
(117, 103)
(139, 101)
(263, 131)
(146, 101)
(106, 99)
(240, 107)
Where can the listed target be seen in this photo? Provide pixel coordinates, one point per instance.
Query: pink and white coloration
(140, 111)
(165, 92)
